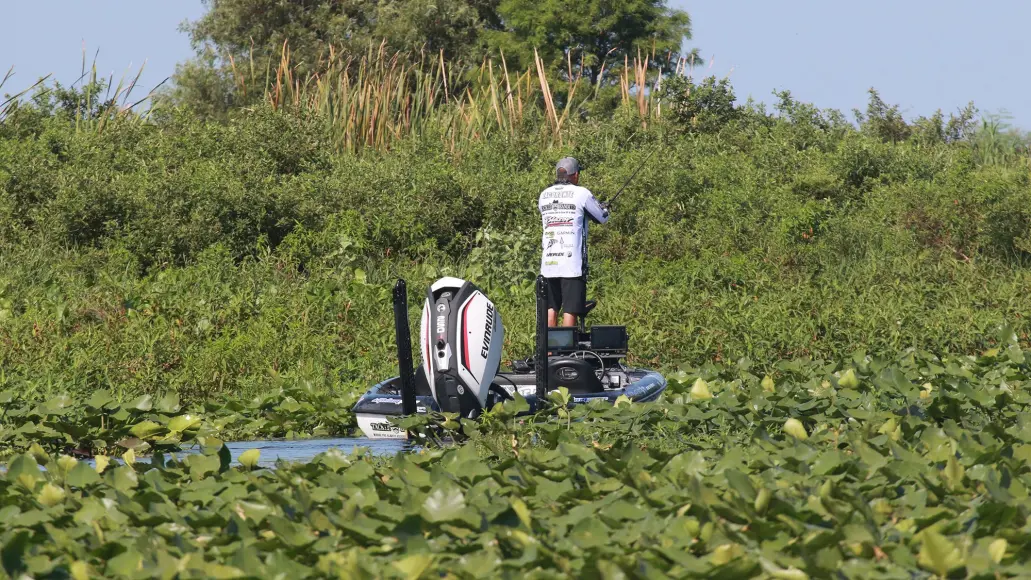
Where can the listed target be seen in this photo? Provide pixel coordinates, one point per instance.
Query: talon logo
(568, 374)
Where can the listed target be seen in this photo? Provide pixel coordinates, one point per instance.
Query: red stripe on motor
(429, 353)
(465, 338)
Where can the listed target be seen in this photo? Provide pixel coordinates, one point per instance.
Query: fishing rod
(621, 189)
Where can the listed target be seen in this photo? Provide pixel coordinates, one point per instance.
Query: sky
(40, 37)
(923, 55)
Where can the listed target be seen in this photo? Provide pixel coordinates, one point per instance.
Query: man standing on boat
(566, 209)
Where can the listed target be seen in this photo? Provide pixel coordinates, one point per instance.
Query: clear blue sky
(40, 37)
(920, 54)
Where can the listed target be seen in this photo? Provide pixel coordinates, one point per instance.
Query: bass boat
(461, 342)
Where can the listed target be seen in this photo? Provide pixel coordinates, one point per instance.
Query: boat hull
(382, 402)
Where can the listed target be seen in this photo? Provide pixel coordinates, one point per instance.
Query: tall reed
(97, 102)
(373, 99)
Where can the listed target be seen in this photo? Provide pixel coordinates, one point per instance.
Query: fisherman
(565, 210)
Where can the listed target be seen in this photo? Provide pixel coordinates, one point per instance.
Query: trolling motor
(461, 340)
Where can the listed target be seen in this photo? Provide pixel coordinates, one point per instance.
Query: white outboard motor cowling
(461, 341)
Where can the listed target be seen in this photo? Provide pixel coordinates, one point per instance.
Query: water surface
(298, 450)
(303, 450)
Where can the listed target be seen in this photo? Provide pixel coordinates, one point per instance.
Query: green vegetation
(228, 260)
(589, 39)
(219, 268)
(873, 468)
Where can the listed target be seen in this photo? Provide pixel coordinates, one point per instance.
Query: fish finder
(562, 338)
(599, 339)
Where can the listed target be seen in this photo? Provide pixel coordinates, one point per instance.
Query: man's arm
(595, 210)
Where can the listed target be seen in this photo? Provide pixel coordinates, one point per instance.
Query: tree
(598, 33)
(310, 27)
(246, 33)
(251, 35)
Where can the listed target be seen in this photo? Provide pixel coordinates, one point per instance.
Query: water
(306, 449)
(300, 450)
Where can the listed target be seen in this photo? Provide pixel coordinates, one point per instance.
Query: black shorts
(567, 294)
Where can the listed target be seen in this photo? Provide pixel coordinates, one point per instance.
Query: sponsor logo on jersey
(558, 194)
(554, 222)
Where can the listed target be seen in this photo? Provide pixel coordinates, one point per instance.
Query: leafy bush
(705, 108)
(219, 260)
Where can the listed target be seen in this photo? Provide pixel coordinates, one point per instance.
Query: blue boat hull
(382, 402)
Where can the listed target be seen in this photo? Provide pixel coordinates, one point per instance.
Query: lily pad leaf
(146, 429)
(144, 403)
(250, 458)
(181, 423)
(24, 470)
(169, 403)
(82, 475)
(938, 554)
(415, 566)
(292, 534)
(443, 504)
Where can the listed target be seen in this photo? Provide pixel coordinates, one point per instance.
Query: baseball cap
(567, 166)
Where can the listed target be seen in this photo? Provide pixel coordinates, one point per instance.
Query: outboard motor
(461, 341)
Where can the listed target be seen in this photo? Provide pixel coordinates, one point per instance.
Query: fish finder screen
(561, 338)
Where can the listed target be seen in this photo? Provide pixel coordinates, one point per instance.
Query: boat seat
(590, 304)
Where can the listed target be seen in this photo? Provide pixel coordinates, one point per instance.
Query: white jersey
(565, 211)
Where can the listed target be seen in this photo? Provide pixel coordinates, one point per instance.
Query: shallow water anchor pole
(540, 358)
(404, 347)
